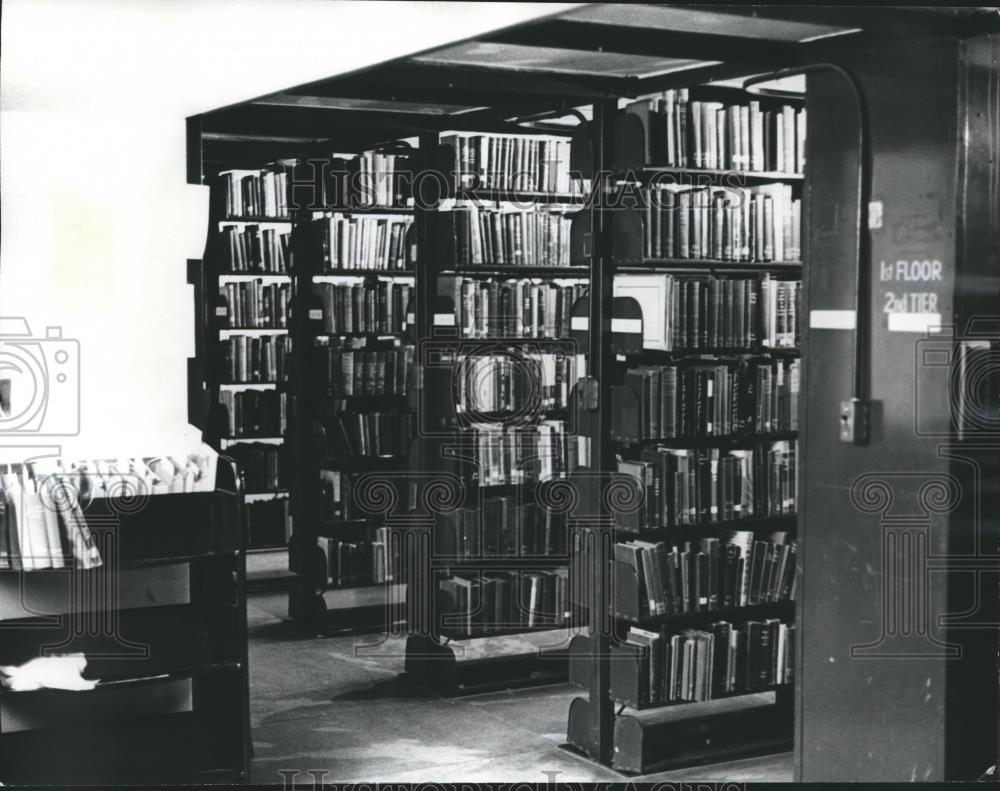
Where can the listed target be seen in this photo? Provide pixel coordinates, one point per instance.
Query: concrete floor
(315, 705)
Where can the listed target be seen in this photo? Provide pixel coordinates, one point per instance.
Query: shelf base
(462, 668)
(697, 734)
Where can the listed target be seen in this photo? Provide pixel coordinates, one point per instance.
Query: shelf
(253, 331)
(488, 270)
(501, 195)
(729, 441)
(360, 463)
(275, 494)
(697, 265)
(257, 220)
(725, 177)
(251, 385)
(245, 277)
(364, 210)
(344, 273)
(262, 438)
(781, 523)
(531, 563)
(746, 613)
(717, 351)
(630, 707)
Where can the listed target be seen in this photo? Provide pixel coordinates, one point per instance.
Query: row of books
(359, 308)
(713, 135)
(249, 248)
(369, 179)
(38, 530)
(698, 664)
(542, 452)
(473, 236)
(471, 606)
(359, 562)
(350, 434)
(261, 465)
(252, 360)
(349, 371)
(712, 574)
(257, 305)
(255, 413)
(346, 242)
(523, 382)
(712, 313)
(500, 527)
(254, 193)
(514, 308)
(706, 485)
(758, 224)
(268, 523)
(712, 400)
(511, 162)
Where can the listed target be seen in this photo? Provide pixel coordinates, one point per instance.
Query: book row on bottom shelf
(250, 360)
(359, 561)
(474, 605)
(734, 569)
(255, 413)
(499, 527)
(705, 485)
(710, 313)
(692, 665)
(252, 249)
(257, 305)
(701, 399)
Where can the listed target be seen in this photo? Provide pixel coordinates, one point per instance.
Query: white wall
(96, 214)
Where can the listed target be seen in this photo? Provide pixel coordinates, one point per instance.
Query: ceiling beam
(648, 42)
(896, 22)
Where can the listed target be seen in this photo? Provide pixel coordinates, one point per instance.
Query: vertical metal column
(602, 459)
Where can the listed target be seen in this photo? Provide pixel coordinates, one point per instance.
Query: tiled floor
(316, 705)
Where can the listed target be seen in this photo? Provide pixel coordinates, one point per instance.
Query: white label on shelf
(633, 326)
(915, 322)
(315, 313)
(411, 319)
(875, 215)
(831, 319)
(580, 323)
(444, 319)
(221, 311)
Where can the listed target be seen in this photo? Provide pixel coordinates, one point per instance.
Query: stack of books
(757, 224)
(364, 308)
(706, 134)
(713, 399)
(514, 308)
(511, 236)
(701, 664)
(710, 574)
(501, 527)
(260, 465)
(350, 369)
(255, 413)
(528, 382)
(252, 249)
(346, 242)
(253, 360)
(472, 606)
(521, 163)
(255, 193)
(257, 305)
(706, 485)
